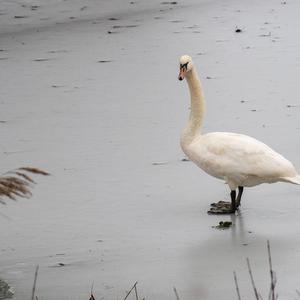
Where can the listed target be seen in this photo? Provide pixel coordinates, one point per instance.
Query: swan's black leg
(233, 202)
(238, 199)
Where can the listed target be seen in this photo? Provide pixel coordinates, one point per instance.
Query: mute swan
(240, 160)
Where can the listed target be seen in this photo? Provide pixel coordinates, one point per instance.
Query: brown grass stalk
(17, 183)
(34, 171)
(25, 176)
(272, 295)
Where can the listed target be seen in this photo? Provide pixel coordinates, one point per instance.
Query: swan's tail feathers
(294, 180)
(18, 183)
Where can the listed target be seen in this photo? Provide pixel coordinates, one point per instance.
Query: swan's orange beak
(182, 73)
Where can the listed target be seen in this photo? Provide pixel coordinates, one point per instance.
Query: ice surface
(89, 92)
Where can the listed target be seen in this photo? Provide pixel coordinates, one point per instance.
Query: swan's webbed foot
(221, 208)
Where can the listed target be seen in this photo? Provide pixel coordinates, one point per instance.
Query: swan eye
(184, 66)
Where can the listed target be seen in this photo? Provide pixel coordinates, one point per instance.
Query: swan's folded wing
(237, 154)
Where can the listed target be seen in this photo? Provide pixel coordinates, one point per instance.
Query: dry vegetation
(134, 292)
(272, 293)
(18, 183)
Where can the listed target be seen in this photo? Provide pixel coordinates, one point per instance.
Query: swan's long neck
(193, 128)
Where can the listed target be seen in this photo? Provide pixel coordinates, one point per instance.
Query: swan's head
(185, 66)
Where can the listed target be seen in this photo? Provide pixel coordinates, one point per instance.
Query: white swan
(240, 160)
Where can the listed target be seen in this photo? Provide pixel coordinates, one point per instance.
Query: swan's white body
(238, 159)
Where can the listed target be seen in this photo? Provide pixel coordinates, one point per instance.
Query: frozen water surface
(89, 92)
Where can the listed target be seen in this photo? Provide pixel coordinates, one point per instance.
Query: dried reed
(133, 288)
(176, 294)
(34, 283)
(18, 183)
(237, 286)
(272, 294)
